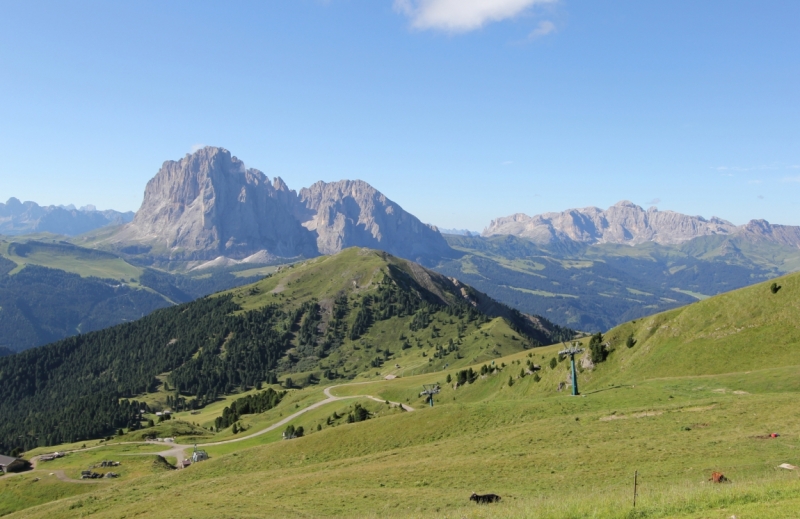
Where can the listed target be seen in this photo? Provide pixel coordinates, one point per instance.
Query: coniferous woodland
(251, 404)
(85, 386)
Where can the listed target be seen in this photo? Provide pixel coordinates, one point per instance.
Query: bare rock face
(209, 206)
(763, 230)
(623, 222)
(352, 213)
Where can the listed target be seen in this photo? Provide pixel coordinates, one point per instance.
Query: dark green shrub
(598, 350)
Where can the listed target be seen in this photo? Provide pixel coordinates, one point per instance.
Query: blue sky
(459, 110)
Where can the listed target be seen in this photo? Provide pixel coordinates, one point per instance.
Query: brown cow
(719, 477)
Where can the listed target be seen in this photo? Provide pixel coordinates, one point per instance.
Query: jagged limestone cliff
(209, 205)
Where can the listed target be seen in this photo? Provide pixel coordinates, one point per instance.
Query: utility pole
(572, 351)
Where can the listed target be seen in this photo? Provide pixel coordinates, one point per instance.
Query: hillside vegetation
(700, 389)
(595, 287)
(359, 313)
(50, 289)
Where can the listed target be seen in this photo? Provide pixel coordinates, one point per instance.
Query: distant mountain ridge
(628, 223)
(208, 205)
(29, 217)
(459, 232)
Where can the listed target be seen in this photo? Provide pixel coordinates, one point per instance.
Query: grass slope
(595, 287)
(69, 258)
(700, 391)
(358, 273)
(51, 289)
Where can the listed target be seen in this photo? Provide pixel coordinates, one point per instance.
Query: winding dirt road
(178, 451)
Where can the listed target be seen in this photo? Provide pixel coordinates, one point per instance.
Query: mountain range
(29, 217)
(208, 215)
(629, 224)
(210, 205)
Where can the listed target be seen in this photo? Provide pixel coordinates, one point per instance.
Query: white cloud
(654, 201)
(197, 147)
(465, 15)
(791, 179)
(543, 29)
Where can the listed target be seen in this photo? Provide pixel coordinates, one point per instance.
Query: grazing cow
(718, 477)
(486, 498)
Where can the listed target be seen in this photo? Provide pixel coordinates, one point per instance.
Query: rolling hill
(700, 390)
(51, 289)
(335, 317)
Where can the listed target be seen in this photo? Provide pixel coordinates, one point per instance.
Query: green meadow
(62, 256)
(701, 390)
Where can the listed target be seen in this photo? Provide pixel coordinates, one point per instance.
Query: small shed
(199, 456)
(9, 464)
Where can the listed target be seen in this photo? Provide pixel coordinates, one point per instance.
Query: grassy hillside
(743, 330)
(69, 258)
(595, 287)
(359, 314)
(51, 289)
(441, 338)
(701, 390)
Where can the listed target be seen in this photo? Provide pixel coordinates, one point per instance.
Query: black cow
(486, 498)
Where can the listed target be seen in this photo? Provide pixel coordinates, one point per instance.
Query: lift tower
(572, 351)
(430, 390)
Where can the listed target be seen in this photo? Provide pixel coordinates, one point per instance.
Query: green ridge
(699, 391)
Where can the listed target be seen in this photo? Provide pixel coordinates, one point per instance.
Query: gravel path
(178, 451)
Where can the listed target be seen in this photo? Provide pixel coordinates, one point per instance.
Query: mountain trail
(178, 451)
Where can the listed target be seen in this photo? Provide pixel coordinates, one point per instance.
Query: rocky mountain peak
(353, 213)
(763, 230)
(209, 205)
